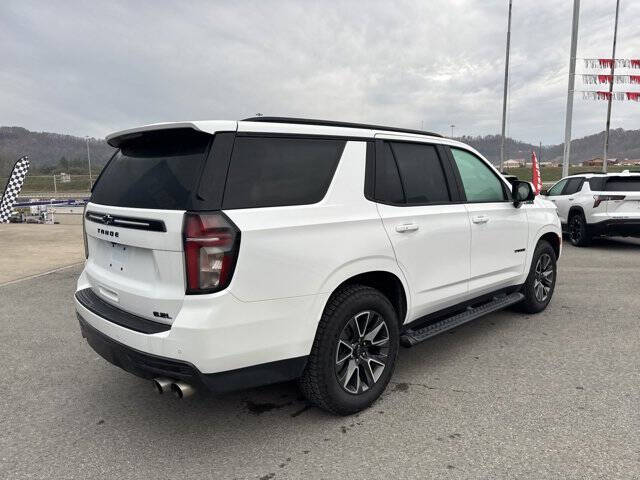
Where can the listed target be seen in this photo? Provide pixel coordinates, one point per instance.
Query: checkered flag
(14, 185)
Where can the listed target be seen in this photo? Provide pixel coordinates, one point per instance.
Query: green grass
(552, 174)
(36, 184)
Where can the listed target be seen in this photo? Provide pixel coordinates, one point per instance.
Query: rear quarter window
(273, 171)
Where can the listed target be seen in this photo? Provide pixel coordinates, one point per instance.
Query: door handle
(407, 227)
(571, 199)
(480, 219)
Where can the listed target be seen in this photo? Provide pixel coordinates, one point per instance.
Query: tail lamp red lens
(211, 243)
(598, 199)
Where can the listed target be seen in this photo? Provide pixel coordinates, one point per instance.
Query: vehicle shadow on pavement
(612, 243)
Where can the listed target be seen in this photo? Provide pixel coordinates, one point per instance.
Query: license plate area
(118, 256)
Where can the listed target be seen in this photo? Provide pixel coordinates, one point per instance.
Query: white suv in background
(229, 254)
(597, 204)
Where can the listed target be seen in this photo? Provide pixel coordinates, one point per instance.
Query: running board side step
(411, 337)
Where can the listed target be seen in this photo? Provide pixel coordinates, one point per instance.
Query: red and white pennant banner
(609, 63)
(597, 79)
(621, 96)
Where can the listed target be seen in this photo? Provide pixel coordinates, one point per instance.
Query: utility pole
(504, 96)
(89, 160)
(452, 127)
(540, 153)
(613, 63)
(570, 88)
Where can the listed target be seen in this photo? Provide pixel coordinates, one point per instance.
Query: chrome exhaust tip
(182, 390)
(162, 385)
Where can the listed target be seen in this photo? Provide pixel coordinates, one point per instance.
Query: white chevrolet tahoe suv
(230, 254)
(598, 205)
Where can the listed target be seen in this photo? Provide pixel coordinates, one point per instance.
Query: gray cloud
(93, 67)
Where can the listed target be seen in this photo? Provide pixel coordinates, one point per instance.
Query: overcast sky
(88, 68)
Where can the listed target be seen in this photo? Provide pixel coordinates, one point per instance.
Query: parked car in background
(598, 205)
(224, 254)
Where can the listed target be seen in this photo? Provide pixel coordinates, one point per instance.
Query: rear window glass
(622, 184)
(421, 172)
(158, 169)
(272, 171)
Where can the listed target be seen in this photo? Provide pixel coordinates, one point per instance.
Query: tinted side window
(421, 173)
(557, 188)
(573, 185)
(597, 183)
(480, 183)
(270, 172)
(623, 184)
(388, 188)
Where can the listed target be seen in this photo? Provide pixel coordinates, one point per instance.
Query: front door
(499, 230)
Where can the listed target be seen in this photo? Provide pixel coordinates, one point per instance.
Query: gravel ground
(509, 396)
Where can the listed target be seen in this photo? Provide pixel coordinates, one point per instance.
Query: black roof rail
(331, 123)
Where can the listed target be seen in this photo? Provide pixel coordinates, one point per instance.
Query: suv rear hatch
(134, 220)
(620, 195)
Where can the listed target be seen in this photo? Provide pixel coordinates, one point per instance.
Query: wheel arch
(387, 281)
(575, 209)
(554, 239)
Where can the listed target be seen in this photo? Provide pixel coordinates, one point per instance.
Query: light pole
(89, 160)
(506, 84)
(452, 127)
(572, 70)
(613, 62)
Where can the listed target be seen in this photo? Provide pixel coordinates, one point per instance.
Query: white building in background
(514, 163)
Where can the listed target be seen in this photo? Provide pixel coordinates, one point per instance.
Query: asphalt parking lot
(509, 396)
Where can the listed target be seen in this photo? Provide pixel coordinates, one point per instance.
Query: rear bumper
(616, 228)
(146, 365)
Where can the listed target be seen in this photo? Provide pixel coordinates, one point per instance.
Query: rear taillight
(598, 199)
(211, 243)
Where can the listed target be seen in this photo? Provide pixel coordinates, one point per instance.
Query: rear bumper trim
(616, 227)
(95, 304)
(146, 365)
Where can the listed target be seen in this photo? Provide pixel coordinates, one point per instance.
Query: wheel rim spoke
(343, 352)
(362, 322)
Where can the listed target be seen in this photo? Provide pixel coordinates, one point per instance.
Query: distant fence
(53, 183)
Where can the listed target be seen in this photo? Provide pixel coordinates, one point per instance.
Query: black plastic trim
(146, 365)
(95, 304)
(454, 309)
(615, 228)
(125, 222)
(331, 123)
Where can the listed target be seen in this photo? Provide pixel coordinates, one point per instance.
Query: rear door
(428, 227)
(499, 230)
(134, 219)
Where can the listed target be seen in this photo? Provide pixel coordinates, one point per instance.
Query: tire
(344, 378)
(578, 231)
(539, 286)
